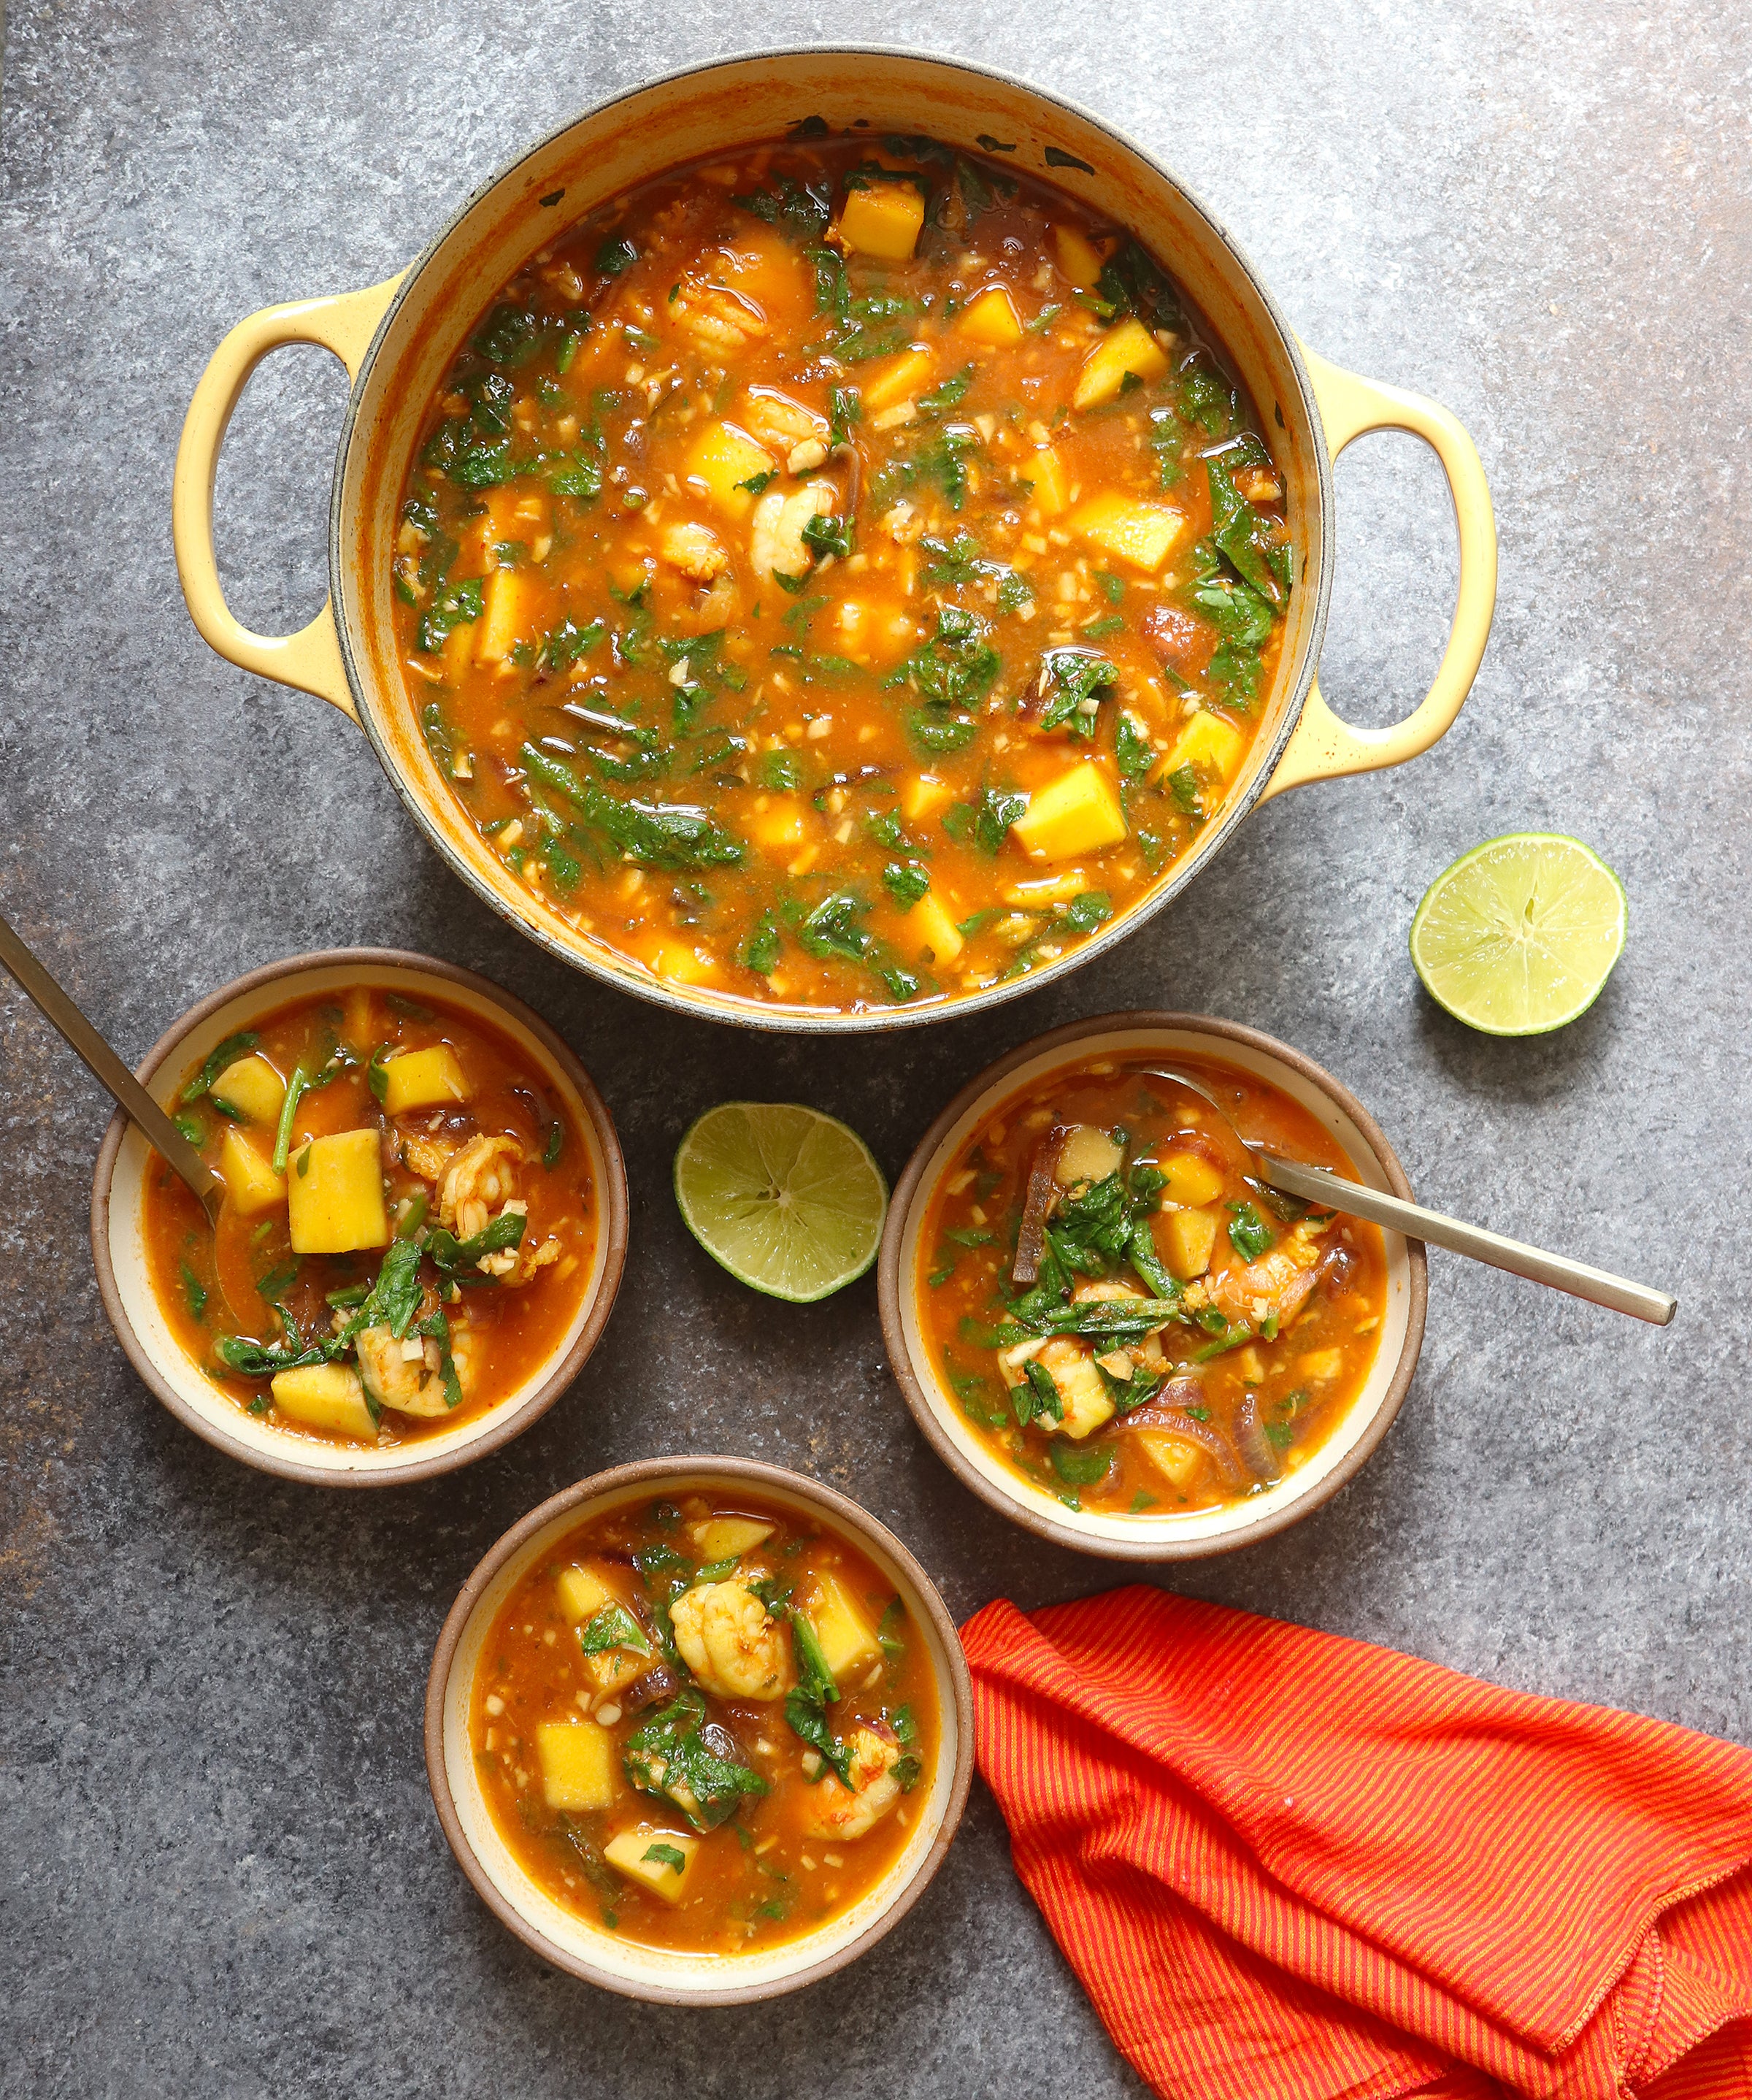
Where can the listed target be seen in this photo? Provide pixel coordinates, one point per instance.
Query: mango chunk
(582, 1594)
(895, 380)
(991, 319)
(1127, 347)
(334, 1192)
(1176, 1461)
(325, 1396)
(1192, 1179)
(1085, 1398)
(1052, 482)
(720, 458)
(1190, 1236)
(612, 1667)
(779, 828)
(249, 1179)
(1141, 533)
(1320, 1366)
(922, 795)
(650, 1857)
(1210, 745)
(1078, 813)
(928, 930)
(1077, 257)
(510, 614)
(252, 1088)
(726, 1537)
(578, 1764)
(849, 1640)
(423, 1080)
(680, 965)
(882, 220)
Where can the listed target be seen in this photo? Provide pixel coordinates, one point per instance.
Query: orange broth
(1268, 1314)
(600, 1684)
(488, 1142)
(841, 573)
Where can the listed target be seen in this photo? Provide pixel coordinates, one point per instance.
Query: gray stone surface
(222, 1874)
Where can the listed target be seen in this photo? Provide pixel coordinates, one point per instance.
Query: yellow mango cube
(928, 931)
(728, 1537)
(612, 1667)
(250, 1181)
(650, 1857)
(1085, 1398)
(1078, 813)
(423, 1080)
(849, 1640)
(721, 457)
(1190, 1236)
(510, 614)
(1077, 257)
(882, 220)
(1176, 1460)
(1192, 1181)
(779, 828)
(1129, 529)
(1211, 745)
(582, 1594)
(1320, 1366)
(578, 1768)
(1052, 482)
(680, 965)
(991, 319)
(251, 1088)
(325, 1396)
(1128, 346)
(334, 1190)
(922, 795)
(897, 378)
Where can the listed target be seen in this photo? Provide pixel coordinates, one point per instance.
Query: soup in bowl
(423, 1226)
(1112, 1329)
(831, 539)
(699, 1731)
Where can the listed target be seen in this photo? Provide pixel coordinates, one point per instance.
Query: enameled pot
(397, 339)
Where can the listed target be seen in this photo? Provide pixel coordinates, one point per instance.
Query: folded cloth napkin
(1285, 1863)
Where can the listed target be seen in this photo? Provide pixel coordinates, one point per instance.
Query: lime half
(790, 1202)
(1521, 934)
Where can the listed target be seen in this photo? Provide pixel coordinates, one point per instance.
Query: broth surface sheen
(665, 1706)
(841, 573)
(1191, 1335)
(410, 1221)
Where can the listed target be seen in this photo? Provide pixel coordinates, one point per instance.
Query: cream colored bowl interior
(1211, 1525)
(127, 1238)
(617, 1961)
(644, 134)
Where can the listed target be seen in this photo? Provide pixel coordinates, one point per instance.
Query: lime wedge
(788, 1200)
(1521, 934)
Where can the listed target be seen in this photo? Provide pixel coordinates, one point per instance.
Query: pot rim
(757, 1474)
(512, 1421)
(750, 1014)
(891, 1286)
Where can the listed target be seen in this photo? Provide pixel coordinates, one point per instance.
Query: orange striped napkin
(1284, 1864)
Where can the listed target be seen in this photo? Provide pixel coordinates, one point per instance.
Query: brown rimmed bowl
(118, 1238)
(1352, 1440)
(590, 1951)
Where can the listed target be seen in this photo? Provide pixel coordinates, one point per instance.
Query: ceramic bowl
(118, 1245)
(1144, 1538)
(589, 1950)
(397, 339)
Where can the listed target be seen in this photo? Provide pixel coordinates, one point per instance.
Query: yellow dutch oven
(397, 339)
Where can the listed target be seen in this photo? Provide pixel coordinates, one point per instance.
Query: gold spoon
(205, 1182)
(1318, 1185)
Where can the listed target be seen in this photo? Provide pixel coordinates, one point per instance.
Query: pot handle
(1323, 747)
(309, 659)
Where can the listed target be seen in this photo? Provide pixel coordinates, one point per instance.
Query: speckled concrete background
(222, 1874)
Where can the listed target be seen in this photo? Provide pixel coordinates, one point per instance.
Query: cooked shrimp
(775, 541)
(405, 1373)
(781, 423)
(696, 551)
(427, 1157)
(1277, 1282)
(838, 1811)
(718, 319)
(479, 1177)
(731, 1642)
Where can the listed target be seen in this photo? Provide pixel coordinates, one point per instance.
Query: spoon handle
(1315, 1184)
(160, 1132)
